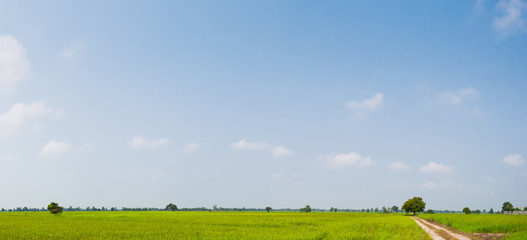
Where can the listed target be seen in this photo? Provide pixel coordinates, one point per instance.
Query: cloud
(513, 20)
(275, 150)
(74, 49)
(436, 168)
(55, 149)
(513, 159)
(8, 158)
(457, 97)
(367, 104)
(479, 8)
(191, 147)
(20, 114)
(244, 145)
(347, 160)
(139, 142)
(277, 176)
(398, 166)
(14, 65)
(280, 151)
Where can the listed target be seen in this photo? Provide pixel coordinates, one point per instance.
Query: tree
(430, 211)
(171, 207)
(54, 208)
(414, 205)
(507, 206)
(384, 210)
(491, 211)
(268, 209)
(466, 210)
(306, 209)
(395, 208)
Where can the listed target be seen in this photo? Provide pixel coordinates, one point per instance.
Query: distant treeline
(243, 209)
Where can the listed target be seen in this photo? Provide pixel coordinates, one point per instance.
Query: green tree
(430, 211)
(54, 208)
(491, 211)
(171, 207)
(306, 209)
(395, 208)
(466, 210)
(414, 205)
(507, 206)
(268, 209)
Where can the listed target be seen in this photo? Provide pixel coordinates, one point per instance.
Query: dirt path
(437, 232)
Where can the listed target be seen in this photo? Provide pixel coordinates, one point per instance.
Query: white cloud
(513, 20)
(277, 176)
(280, 151)
(367, 104)
(139, 142)
(347, 160)
(74, 49)
(191, 147)
(513, 159)
(398, 166)
(20, 114)
(55, 149)
(275, 150)
(436, 167)
(14, 66)
(244, 145)
(8, 158)
(457, 97)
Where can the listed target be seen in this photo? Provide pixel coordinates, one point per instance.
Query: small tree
(491, 211)
(507, 206)
(414, 205)
(171, 207)
(395, 208)
(268, 209)
(466, 210)
(54, 208)
(306, 209)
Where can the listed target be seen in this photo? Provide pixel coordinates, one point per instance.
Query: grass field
(515, 225)
(207, 225)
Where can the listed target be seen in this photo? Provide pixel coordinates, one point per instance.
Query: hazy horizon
(344, 104)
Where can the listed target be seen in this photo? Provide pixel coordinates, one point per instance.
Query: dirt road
(437, 232)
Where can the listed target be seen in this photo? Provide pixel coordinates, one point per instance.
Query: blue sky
(346, 104)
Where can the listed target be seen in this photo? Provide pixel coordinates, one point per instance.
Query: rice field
(207, 225)
(513, 225)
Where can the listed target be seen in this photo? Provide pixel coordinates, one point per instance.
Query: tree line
(414, 205)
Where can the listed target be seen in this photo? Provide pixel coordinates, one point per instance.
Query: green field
(207, 225)
(515, 225)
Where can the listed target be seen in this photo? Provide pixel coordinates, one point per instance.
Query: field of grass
(207, 225)
(515, 225)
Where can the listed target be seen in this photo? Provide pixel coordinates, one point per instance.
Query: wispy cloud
(513, 20)
(73, 50)
(366, 105)
(191, 147)
(459, 96)
(346, 160)
(275, 150)
(513, 159)
(21, 114)
(14, 65)
(139, 142)
(55, 149)
(398, 166)
(433, 167)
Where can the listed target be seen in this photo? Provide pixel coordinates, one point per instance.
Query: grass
(207, 225)
(514, 225)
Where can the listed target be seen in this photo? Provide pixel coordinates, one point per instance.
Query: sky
(346, 104)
